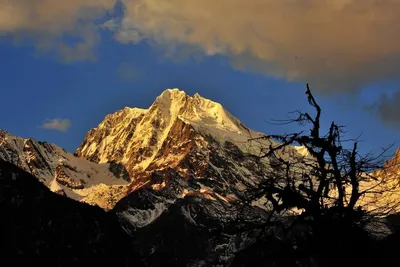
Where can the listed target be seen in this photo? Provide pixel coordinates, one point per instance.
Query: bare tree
(322, 195)
(331, 180)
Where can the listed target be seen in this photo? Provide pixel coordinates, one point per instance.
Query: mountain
(193, 135)
(172, 178)
(176, 124)
(183, 164)
(38, 227)
(182, 225)
(190, 162)
(64, 173)
(388, 187)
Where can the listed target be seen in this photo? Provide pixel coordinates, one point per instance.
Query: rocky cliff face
(195, 136)
(151, 139)
(59, 170)
(195, 224)
(384, 190)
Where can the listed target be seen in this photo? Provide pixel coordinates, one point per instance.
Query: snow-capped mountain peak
(195, 110)
(195, 136)
(139, 138)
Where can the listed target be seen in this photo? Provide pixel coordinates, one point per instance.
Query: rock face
(38, 227)
(59, 170)
(184, 224)
(195, 136)
(164, 135)
(387, 184)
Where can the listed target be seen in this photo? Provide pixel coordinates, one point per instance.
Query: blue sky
(37, 86)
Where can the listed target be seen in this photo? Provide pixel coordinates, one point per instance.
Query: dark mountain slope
(40, 227)
(180, 225)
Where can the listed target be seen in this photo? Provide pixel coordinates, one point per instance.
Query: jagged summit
(196, 137)
(169, 94)
(196, 110)
(162, 135)
(175, 103)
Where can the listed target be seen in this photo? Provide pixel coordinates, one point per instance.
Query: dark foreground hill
(38, 227)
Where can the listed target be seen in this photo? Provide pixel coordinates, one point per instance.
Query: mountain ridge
(172, 105)
(60, 171)
(193, 135)
(184, 164)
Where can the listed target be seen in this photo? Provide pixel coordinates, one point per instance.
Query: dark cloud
(388, 109)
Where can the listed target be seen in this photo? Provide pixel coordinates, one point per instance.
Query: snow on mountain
(193, 135)
(181, 146)
(187, 219)
(59, 170)
(136, 137)
(174, 174)
(383, 191)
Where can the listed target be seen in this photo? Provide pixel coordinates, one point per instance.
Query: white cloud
(50, 22)
(335, 45)
(61, 125)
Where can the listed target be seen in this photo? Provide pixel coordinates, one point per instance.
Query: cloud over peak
(336, 45)
(61, 125)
